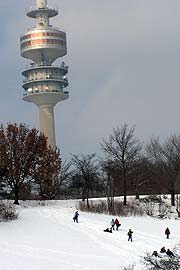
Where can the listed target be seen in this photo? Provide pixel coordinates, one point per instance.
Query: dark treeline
(128, 168)
(30, 169)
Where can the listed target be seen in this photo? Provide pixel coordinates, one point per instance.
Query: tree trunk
(110, 203)
(87, 198)
(87, 202)
(83, 194)
(125, 191)
(16, 197)
(125, 200)
(137, 193)
(173, 197)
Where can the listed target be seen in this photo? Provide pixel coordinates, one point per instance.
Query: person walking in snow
(116, 222)
(75, 218)
(130, 232)
(167, 233)
(112, 224)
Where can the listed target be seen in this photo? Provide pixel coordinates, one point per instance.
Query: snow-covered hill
(45, 237)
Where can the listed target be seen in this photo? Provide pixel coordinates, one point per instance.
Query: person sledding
(108, 230)
(75, 218)
(116, 222)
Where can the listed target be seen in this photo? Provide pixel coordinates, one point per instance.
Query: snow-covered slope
(45, 237)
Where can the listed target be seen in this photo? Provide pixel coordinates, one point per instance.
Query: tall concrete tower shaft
(44, 84)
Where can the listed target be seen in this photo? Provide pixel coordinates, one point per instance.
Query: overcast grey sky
(124, 66)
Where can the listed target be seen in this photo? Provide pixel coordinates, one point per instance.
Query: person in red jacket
(167, 233)
(116, 222)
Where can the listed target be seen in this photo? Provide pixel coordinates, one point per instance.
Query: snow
(45, 237)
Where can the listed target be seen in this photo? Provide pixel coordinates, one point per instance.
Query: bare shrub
(131, 209)
(8, 211)
(151, 205)
(100, 206)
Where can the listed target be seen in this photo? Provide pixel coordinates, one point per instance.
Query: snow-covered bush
(157, 206)
(163, 262)
(152, 199)
(8, 211)
(129, 267)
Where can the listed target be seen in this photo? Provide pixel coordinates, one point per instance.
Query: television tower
(44, 83)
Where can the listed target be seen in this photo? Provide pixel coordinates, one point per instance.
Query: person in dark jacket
(116, 222)
(75, 218)
(163, 250)
(130, 235)
(170, 253)
(155, 253)
(167, 233)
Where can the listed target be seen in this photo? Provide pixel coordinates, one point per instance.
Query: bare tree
(66, 172)
(123, 148)
(64, 180)
(141, 175)
(76, 185)
(21, 151)
(167, 156)
(109, 169)
(87, 169)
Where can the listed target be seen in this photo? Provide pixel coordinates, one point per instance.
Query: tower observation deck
(44, 83)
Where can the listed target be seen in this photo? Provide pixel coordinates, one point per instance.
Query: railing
(46, 78)
(46, 91)
(33, 8)
(32, 65)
